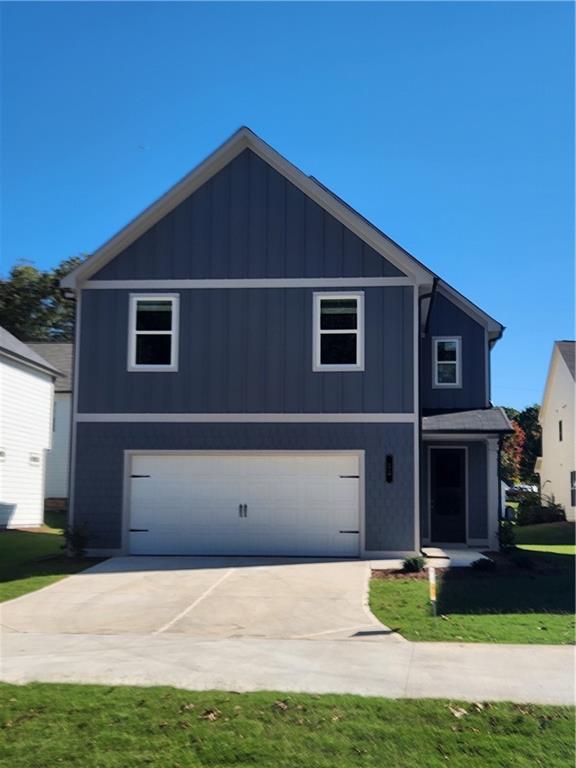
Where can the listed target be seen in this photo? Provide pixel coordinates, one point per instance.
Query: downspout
(431, 294)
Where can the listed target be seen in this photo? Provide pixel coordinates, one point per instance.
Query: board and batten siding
(388, 506)
(247, 350)
(25, 432)
(247, 221)
(446, 319)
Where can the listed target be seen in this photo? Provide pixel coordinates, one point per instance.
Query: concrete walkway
(257, 624)
(471, 672)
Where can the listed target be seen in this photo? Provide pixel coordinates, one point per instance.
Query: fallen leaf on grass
(210, 714)
(281, 705)
(458, 712)
(186, 707)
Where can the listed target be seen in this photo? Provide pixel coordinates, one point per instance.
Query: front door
(448, 495)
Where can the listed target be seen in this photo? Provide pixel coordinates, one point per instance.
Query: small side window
(560, 431)
(447, 362)
(153, 333)
(338, 332)
(573, 489)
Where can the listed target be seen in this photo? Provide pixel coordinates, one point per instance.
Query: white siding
(59, 455)
(25, 431)
(558, 455)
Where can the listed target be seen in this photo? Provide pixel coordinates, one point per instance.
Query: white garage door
(245, 504)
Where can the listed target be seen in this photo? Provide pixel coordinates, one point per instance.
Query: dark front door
(448, 495)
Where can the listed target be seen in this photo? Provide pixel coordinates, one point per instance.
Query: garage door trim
(131, 453)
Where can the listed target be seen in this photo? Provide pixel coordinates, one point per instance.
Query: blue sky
(449, 125)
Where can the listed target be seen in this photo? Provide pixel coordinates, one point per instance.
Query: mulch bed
(506, 566)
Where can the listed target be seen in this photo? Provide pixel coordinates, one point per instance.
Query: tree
(32, 306)
(511, 455)
(520, 450)
(528, 421)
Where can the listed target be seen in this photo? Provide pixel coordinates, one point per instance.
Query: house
(26, 396)
(59, 355)
(261, 371)
(557, 465)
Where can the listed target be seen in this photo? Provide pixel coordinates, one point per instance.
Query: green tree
(528, 421)
(32, 306)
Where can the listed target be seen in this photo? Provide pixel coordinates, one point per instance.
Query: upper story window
(447, 361)
(560, 431)
(338, 332)
(153, 335)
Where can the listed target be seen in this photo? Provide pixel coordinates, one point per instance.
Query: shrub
(414, 564)
(483, 564)
(76, 538)
(506, 536)
(532, 510)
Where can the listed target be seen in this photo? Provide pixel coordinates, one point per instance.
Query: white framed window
(153, 332)
(447, 361)
(338, 343)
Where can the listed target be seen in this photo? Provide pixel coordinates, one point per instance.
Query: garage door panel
(297, 504)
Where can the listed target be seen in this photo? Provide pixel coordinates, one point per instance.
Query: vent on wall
(2, 454)
(34, 459)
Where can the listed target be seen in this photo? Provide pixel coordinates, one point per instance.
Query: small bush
(506, 536)
(414, 564)
(76, 538)
(533, 509)
(483, 564)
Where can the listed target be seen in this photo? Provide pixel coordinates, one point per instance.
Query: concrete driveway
(204, 597)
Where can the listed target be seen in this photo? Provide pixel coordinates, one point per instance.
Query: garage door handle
(349, 531)
(138, 530)
(139, 475)
(350, 476)
(242, 510)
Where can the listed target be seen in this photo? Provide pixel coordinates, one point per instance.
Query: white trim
(130, 453)
(358, 332)
(256, 282)
(24, 362)
(457, 363)
(492, 495)
(300, 418)
(237, 143)
(133, 333)
(466, 489)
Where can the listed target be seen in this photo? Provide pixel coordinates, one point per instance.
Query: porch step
(447, 557)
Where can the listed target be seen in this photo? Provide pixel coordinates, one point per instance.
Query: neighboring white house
(557, 465)
(26, 398)
(57, 462)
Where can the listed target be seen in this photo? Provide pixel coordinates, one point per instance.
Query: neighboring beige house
(59, 355)
(557, 465)
(26, 397)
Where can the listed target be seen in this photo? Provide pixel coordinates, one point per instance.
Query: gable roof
(12, 347)
(59, 355)
(244, 139)
(561, 350)
(482, 420)
(567, 351)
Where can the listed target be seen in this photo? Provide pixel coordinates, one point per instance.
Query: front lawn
(103, 727)
(528, 599)
(33, 559)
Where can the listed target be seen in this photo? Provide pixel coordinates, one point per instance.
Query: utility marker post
(432, 588)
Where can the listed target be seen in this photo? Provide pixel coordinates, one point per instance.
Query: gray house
(261, 371)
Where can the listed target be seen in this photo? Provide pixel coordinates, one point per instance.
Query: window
(338, 332)
(153, 337)
(573, 489)
(560, 431)
(447, 361)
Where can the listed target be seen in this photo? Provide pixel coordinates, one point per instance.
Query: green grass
(43, 726)
(30, 560)
(547, 537)
(511, 605)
